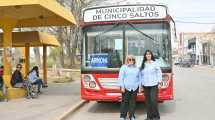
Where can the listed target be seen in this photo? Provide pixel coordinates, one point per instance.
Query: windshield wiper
(144, 34)
(116, 25)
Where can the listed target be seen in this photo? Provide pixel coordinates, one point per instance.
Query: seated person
(1, 83)
(17, 80)
(3, 88)
(33, 77)
(1, 77)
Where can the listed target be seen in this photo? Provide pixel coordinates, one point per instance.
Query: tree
(70, 37)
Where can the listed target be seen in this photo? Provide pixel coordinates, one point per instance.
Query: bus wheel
(101, 102)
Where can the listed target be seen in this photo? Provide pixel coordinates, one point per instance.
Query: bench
(13, 93)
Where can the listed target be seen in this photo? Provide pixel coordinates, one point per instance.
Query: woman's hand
(140, 89)
(159, 84)
(123, 90)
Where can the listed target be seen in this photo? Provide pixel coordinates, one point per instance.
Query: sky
(199, 11)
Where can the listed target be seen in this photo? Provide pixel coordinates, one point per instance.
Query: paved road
(194, 100)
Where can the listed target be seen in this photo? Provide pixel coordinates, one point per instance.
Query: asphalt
(193, 99)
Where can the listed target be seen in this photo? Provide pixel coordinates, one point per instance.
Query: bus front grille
(109, 83)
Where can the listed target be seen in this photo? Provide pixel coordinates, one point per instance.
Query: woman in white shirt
(150, 77)
(33, 77)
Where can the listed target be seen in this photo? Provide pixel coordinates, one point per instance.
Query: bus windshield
(106, 45)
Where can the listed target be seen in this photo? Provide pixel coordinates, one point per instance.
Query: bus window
(155, 37)
(104, 46)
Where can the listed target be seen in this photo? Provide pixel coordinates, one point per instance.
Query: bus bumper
(116, 97)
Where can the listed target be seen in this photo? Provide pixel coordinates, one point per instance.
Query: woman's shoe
(132, 118)
(28, 97)
(148, 119)
(45, 86)
(156, 118)
(122, 118)
(39, 92)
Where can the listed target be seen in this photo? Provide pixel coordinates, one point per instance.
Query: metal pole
(45, 64)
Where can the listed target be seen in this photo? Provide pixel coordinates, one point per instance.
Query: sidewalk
(56, 99)
(205, 67)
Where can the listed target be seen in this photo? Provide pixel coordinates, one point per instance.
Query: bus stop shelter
(25, 40)
(29, 39)
(28, 13)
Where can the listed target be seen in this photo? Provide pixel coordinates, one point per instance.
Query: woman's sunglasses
(131, 59)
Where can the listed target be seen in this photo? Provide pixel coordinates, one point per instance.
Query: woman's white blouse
(151, 75)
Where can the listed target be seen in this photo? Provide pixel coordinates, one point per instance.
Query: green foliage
(54, 53)
(52, 56)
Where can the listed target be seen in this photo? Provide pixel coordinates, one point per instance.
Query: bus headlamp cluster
(89, 82)
(92, 84)
(165, 77)
(165, 81)
(86, 78)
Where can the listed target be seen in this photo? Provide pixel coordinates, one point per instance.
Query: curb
(212, 68)
(72, 110)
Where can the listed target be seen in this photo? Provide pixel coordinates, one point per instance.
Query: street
(194, 99)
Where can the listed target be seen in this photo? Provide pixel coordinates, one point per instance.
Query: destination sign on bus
(125, 13)
(99, 60)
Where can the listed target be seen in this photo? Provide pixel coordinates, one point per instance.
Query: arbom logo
(99, 60)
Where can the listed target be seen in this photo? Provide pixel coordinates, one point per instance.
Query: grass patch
(64, 78)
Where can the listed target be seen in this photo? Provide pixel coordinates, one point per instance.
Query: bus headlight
(165, 77)
(92, 84)
(89, 82)
(165, 81)
(86, 78)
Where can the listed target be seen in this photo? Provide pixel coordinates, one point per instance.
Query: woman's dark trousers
(151, 95)
(39, 84)
(128, 104)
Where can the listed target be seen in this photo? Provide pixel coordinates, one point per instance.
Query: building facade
(199, 47)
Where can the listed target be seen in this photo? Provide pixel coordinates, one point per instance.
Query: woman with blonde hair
(129, 83)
